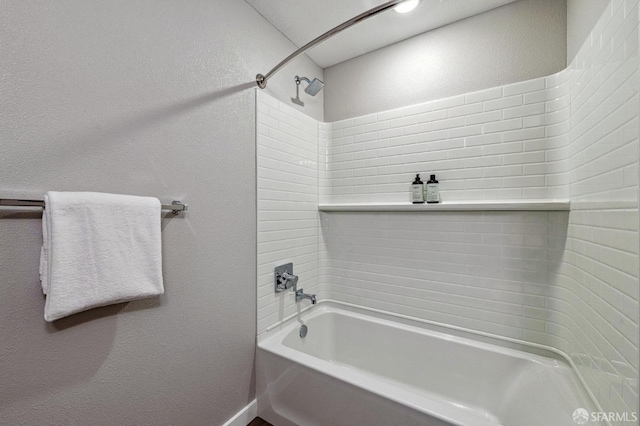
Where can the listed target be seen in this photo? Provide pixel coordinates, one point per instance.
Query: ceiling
(303, 20)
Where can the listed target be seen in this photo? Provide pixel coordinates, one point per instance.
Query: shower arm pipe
(261, 80)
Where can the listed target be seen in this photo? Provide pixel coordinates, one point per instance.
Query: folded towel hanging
(99, 249)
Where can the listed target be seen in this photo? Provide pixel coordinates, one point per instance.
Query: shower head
(314, 86)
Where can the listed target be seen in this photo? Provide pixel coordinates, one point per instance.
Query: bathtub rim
(272, 344)
(265, 339)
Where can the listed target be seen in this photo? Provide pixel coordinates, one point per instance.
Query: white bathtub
(359, 367)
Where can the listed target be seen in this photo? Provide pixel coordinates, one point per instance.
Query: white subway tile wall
(287, 161)
(596, 290)
(503, 143)
(597, 284)
(564, 279)
(485, 271)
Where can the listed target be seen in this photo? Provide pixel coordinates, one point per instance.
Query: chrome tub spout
(300, 295)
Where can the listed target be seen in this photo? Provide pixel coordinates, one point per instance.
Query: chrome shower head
(314, 86)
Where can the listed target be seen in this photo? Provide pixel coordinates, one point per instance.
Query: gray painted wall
(138, 97)
(516, 42)
(581, 17)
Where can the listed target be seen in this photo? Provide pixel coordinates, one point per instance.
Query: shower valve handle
(284, 278)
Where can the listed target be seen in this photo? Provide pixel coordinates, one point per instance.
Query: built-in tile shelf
(497, 205)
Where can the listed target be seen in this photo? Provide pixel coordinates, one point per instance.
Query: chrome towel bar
(176, 207)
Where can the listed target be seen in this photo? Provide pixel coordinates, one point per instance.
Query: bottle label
(417, 194)
(433, 193)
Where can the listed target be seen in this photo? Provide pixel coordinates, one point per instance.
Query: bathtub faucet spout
(300, 295)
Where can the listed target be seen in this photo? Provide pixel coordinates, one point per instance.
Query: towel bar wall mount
(176, 207)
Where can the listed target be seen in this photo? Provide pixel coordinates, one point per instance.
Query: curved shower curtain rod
(261, 80)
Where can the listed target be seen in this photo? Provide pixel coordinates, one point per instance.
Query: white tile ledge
(604, 205)
(497, 205)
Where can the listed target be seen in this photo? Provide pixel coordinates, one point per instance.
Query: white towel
(99, 249)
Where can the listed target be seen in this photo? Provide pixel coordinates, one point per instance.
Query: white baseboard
(244, 416)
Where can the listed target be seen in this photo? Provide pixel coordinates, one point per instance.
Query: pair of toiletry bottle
(429, 193)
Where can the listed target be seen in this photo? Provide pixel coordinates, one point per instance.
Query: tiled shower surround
(563, 279)
(287, 204)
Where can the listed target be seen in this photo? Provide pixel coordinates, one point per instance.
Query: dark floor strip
(259, 422)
